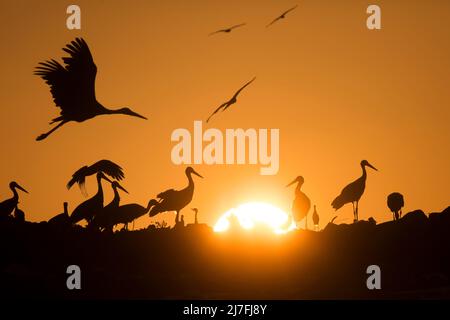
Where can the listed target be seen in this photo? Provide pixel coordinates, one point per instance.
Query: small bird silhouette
(73, 87)
(7, 206)
(282, 16)
(301, 203)
(316, 219)
(105, 166)
(196, 213)
(395, 203)
(228, 30)
(233, 100)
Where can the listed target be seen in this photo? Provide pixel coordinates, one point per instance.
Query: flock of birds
(73, 89)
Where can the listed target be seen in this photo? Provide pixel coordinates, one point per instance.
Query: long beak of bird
(20, 188)
(197, 174)
(121, 188)
(134, 114)
(106, 178)
(371, 166)
(290, 184)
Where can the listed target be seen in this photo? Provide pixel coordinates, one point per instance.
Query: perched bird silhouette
(224, 106)
(395, 203)
(128, 213)
(353, 191)
(19, 215)
(228, 30)
(7, 206)
(195, 212)
(176, 200)
(100, 220)
(301, 203)
(73, 87)
(282, 16)
(62, 218)
(89, 208)
(105, 166)
(316, 219)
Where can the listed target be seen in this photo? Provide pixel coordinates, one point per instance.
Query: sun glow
(249, 215)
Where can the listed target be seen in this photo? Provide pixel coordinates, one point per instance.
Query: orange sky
(338, 92)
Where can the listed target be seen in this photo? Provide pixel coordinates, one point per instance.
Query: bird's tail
(338, 203)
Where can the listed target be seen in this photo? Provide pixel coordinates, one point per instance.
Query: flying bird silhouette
(228, 30)
(282, 16)
(233, 100)
(105, 166)
(73, 87)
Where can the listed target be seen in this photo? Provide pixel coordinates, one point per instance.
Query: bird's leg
(357, 218)
(177, 218)
(354, 215)
(45, 135)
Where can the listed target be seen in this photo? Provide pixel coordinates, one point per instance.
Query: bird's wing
(218, 31)
(73, 85)
(237, 26)
(108, 167)
(287, 11)
(78, 177)
(217, 110)
(243, 87)
(273, 21)
(166, 194)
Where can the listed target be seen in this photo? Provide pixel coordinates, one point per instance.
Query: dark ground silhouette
(196, 263)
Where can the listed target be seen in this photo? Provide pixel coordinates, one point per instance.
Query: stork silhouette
(73, 87)
(89, 208)
(395, 203)
(7, 206)
(316, 219)
(353, 191)
(105, 166)
(100, 220)
(176, 200)
(128, 213)
(301, 203)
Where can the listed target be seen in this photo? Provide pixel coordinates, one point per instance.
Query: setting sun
(252, 214)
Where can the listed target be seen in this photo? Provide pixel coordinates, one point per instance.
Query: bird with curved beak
(175, 200)
(353, 191)
(7, 206)
(301, 203)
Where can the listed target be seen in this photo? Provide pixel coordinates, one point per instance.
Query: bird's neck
(191, 181)
(100, 189)
(364, 173)
(15, 194)
(116, 199)
(298, 189)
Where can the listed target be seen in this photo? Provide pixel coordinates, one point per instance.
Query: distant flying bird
(228, 30)
(89, 208)
(176, 200)
(105, 166)
(7, 206)
(233, 100)
(301, 203)
(282, 16)
(353, 192)
(395, 203)
(316, 219)
(73, 86)
(128, 213)
(100, 220)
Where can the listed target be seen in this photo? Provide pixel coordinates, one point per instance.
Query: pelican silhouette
(105, 166)
(195, 212)
(395, 203)
(353, 191)
(301, 203)
(224, 106)
(316, 219)
(7, 206)
(101, 218)
(73, 87)
(176, 200)
(282, 16)
(227, 30)
(128, 213)
(89, 208)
